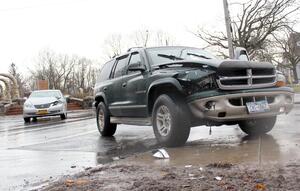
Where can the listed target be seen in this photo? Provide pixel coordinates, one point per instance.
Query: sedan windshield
(161, 55)
(41, 94)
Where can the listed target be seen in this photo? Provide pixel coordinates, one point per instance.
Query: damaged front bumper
(223, 106)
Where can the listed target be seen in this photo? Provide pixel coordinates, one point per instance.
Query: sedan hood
(41, 100)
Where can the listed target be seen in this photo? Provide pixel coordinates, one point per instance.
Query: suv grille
(42, 106)
(237, 78)
(243, 100)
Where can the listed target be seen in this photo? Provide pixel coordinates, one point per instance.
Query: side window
(121, 64)
(105, 71)
(134, 59)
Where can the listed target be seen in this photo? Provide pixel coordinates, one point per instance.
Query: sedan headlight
(280, 80)
(57, 103)
(28, 105)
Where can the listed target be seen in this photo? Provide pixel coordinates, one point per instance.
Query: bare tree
(163, 39)
(256, 24)
(113, 45)
(141, 38)
(71, 74)
(288, 54)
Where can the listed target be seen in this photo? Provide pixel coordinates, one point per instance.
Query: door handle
(105, 88)
(124, 84)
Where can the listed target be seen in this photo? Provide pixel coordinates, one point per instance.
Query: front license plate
(258, 107)
(42, 112)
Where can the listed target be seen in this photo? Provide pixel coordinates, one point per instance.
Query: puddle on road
(247, 150)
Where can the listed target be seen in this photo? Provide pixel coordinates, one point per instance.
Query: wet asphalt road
(34, 154)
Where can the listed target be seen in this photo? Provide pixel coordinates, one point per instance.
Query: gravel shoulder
(217, 176)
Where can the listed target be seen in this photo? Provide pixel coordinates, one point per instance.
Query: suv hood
(219, 64)
(195, 70)
(190, 63)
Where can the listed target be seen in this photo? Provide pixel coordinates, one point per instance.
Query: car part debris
(218, 178)
(161, 154)
(260, 186)
(188, 166)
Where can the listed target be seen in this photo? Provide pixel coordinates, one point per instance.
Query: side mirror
(137, 67)
(241, 54)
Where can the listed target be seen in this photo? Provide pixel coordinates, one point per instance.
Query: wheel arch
(100, 97)
(163, 86)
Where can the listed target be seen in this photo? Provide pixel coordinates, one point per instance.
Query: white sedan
(45, 103)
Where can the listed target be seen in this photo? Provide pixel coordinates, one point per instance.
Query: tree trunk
(295, 74)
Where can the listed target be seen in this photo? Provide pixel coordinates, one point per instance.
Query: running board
(131, 121)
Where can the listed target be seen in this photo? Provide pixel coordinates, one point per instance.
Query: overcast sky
(81, 26)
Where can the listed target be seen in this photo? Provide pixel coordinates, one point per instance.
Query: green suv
(176, 88)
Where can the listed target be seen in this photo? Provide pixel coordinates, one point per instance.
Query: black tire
(259, 126)
(176, 122)
(106, 129)
(34, 119)
(63, 116)
(27, 119)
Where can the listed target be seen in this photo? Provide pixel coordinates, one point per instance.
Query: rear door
(104, 82)
(114, 91)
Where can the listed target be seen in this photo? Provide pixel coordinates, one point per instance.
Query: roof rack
(133, 48)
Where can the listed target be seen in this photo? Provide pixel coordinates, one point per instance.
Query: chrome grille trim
(250, 84)
(43, 106)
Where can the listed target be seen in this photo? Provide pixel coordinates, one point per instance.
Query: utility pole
(228, 28)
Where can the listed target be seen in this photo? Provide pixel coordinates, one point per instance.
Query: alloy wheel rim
(163, 120)
(101, 119)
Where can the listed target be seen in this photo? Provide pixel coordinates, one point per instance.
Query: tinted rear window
(105, 72)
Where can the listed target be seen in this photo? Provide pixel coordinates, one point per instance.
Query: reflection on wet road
(48, 149)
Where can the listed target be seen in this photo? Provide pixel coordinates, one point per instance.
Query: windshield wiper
(197, 55)
(172, 57)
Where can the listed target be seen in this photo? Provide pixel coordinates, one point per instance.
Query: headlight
(280, 80)
(28, 105)
(57, 103)
(206, 83)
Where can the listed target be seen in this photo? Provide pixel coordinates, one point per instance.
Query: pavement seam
(55, 139)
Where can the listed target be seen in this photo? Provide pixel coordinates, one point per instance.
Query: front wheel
(170, 122)
(27, 119)
(105, 128)
(258, 126)
(63, 116)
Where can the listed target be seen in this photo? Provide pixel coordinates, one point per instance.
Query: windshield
(41, 94)
(163, 55)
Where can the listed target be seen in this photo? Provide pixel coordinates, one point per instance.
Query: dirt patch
(219, 165)
(212, 177)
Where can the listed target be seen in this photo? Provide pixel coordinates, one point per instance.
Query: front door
(134, 90)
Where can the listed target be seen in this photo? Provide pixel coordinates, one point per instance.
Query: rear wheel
(169, 119)
(258, 126)
(27, 119)
(103, 121)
